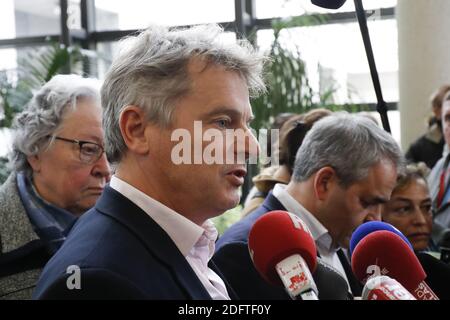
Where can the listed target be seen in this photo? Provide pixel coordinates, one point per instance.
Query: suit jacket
(22, 254)
(427, 148)
(120, 253)
(233, 259)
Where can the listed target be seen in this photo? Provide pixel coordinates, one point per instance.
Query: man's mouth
(236, 176)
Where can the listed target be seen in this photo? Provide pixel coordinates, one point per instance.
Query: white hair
(350, 144)
(44, 113)
(151, 72)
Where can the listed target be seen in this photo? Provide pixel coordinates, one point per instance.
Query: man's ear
(324, 180)
(133, 124)
(35, 162)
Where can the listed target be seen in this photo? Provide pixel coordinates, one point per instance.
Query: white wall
(424, 60)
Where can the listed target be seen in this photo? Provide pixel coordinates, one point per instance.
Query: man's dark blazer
(233, 259)
(122, 254)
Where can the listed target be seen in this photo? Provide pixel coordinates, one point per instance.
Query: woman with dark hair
(409, 208)
(292, 133)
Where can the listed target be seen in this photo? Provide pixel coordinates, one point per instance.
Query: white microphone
(385, 288)
(297, 278)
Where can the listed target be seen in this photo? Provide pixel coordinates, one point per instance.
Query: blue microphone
(372, 226)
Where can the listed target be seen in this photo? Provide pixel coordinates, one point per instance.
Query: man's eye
(222, 123)
(365, 203)
(402, 210)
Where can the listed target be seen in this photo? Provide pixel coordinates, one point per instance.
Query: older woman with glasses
(59, 171)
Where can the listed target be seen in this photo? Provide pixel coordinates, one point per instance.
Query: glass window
(137, 14)
(74, 13)
(335, 57)
(286, 8)
(107, 51)
(394, 122)
(22, 18)
(6, 139)
(11, 58)
(11, 64)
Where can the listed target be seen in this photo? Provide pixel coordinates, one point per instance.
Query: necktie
(442, 187)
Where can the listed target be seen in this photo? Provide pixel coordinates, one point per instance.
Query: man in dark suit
(149, 235)
(345, 169)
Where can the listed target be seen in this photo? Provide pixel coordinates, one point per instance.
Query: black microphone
(328, 4)
(330, 284)
(438, 274)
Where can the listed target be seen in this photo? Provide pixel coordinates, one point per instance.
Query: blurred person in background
(344, 170)
(409, 208)
(292, 133)
(429, 147)
(439, 177)
(59, 171)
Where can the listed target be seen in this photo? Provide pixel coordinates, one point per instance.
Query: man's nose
(247, 147)
(374, 213)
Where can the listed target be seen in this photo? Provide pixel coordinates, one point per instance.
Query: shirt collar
(183, 232)
(319, 233)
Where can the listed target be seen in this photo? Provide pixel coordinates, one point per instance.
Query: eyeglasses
(90, 152)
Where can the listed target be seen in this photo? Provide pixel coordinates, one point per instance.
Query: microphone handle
(309, 295)
(296, 277)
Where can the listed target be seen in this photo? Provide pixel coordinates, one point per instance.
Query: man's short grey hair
(350, 144)
(44, 115)
(151, 72)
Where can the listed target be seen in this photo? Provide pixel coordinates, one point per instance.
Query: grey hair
(350, 144)
(151, 72)
(44, 114)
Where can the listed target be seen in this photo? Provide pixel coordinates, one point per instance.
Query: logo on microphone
(374, 272)
(299, 224)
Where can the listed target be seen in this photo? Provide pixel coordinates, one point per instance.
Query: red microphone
(385, 253)
(385, 288)
(284, 253)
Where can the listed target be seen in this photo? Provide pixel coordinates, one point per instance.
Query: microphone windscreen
(275, 236)
(372, 226)
(330, 284)
(329, 4)
(385, 253)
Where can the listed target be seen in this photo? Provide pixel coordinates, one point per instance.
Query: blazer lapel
(355, 285)
(231, 293)
(154, 238)
(271, 203)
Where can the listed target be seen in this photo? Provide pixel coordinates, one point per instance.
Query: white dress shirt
(196, 243)
(320, 234)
